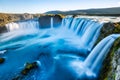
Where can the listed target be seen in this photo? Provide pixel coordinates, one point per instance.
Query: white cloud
(119, 3)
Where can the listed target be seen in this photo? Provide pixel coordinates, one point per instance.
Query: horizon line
(55, 10)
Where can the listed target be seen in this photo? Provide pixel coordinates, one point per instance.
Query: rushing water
(63, 53)
(51, 22)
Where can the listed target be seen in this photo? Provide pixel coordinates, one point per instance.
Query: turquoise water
(63, 53)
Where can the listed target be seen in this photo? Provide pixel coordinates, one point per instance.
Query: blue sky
(40, 6)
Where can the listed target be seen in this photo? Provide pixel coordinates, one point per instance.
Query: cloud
(119, 3)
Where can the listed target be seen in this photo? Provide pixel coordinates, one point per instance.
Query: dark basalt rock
(2, 60)
(29, 67)
(3, 29)
(45, 21)
(108, 29)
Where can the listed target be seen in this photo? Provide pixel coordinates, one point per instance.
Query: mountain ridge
(99, 11)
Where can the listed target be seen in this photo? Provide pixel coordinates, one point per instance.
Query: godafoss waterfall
(52, 49)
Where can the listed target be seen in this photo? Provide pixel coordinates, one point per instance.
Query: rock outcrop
(3, 29)
(2, 60)
(29, 67)
(45, 21)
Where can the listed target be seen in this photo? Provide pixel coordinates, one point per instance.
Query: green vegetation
(29, 67)
(108, 29)
(117, 27)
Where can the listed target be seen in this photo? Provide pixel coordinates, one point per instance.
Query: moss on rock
(2, 60)
(29, 67)
(108, 29)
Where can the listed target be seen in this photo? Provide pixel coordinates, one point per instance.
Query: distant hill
(103, 11)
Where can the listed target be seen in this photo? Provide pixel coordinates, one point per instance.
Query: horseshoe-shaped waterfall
(63, 52)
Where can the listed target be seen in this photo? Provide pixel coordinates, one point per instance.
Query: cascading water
(87, 30)
(28, 24)
(51, 21)
(63, 53)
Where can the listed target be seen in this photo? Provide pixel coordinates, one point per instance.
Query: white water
(51, 21)
(86, 29)
(64, 53)
(21, 25)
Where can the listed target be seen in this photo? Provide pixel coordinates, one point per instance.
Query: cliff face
(3, 29)
(45, 21)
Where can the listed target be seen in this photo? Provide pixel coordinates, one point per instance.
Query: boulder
(29, 67)
(45, 21)
(3, 29)
(2, 60)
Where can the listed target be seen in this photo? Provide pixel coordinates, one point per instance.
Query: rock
(3, 29)
(27, 16)
(45, 21)
(118, 56)
(2, 60)
(119, 61)
(29, 67)
(117, 77)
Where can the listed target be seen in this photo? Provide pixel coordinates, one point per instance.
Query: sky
(41, 6)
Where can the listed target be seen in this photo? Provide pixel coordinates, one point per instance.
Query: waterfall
(98, 54)
(88, 31)
(66, 22)
(21, 25)
(89, 69)
(51, 22)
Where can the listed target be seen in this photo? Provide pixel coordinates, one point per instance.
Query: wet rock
(29, 67)
(3, 29)
(45, 21)
(108, 29)
(2, 60)
(117, 77)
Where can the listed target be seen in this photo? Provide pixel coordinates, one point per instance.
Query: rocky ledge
(2, 60)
